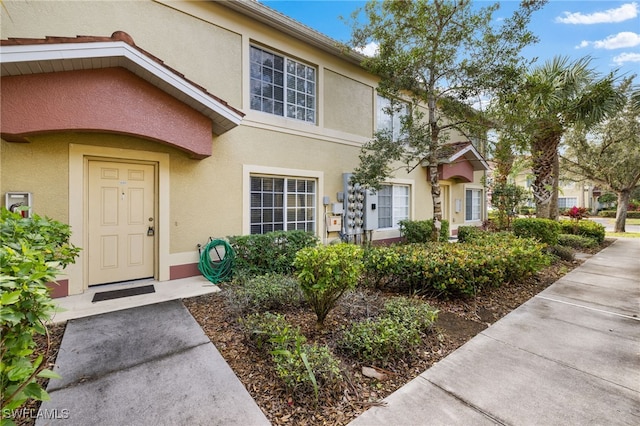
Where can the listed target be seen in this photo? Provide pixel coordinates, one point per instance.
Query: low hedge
(455, 269)
(468, 233)
(585, 228)
(576, 241)
(273, 252)
(612, 213)
(419, 231)
(544, 230)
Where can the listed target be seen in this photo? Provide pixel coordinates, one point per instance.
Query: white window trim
(249, 169)
(385, 233)
(483, 196)
(394, 116)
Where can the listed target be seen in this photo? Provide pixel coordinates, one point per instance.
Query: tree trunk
(554, 211)
(434, 179)
(621, 213)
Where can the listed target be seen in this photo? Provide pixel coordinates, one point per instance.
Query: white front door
(121, 221)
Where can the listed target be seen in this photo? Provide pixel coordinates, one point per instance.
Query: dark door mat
(116, 294)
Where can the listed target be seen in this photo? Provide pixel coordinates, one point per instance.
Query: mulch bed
(458, 321)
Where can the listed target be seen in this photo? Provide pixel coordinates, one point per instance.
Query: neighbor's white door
(121, 222)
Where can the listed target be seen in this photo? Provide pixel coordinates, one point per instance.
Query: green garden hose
(220, 269)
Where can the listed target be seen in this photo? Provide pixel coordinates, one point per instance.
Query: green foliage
(420, 231)
(562, 252)
(544, 230)
(462, 269)
(33, 251)
(304, 368)
(263, 293)
(326, 272)
(612, 213)
(395, 334)
(586, 228)
(505, 197)
(577, 241)
(272, 252)
(468, 233)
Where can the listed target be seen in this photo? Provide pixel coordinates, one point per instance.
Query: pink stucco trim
(59, 289)
(110, 100)
(461, 170)
(183, 271)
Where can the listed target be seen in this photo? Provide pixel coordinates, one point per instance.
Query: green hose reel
(216, 261)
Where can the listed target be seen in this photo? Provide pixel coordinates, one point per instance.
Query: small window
(473, 204)
(393, 205)
(282, 203)
(282, 86)
(388, 119)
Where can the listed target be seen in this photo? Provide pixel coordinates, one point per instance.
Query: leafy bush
(576, 241)
(325, 273)
(419, 231)
(393, 335)
(585, 228)
(264, 293)
(272, 252)
(562, 252)
(544, 230)
(612, 213)
(304, 368)
(33, 252)
(468, 233)
(446, 269)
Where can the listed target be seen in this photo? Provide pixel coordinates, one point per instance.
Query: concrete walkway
(569, 356)
(150, 365)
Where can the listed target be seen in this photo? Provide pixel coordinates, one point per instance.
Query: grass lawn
(623, 234)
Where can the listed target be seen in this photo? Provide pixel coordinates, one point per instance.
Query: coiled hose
(221, 268)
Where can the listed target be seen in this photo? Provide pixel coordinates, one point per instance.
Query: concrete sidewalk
(570, 356)
(150, 365)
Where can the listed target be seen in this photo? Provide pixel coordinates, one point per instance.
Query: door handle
(150, 231)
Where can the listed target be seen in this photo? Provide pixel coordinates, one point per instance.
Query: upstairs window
(391, 119)
(282, 86)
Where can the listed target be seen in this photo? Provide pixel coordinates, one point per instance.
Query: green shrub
(272, 252)
(264, 293)
(326, 272)
(562, 252)
(544, 230)
(393, 335)
(612, 214)
(303, 368)
(576, 241)
(468, 233)
(445, 269)
(33, 251)
(585, 228)
(419, 231)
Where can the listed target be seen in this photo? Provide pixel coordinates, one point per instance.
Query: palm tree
(554, 97)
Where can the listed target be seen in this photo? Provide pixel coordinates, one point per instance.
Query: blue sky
(608, 31)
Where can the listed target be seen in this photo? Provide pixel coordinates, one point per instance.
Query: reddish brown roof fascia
(116, 36)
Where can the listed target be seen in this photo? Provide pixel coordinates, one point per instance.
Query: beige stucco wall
(340, 107)
(192, 46)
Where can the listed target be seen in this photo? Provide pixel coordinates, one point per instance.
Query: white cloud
(617, 41)
(370, 49)
(623, 58)
(623, 13)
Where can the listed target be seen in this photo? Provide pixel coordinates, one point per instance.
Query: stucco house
(150, 126)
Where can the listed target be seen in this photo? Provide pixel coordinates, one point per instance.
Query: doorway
(121, 221)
